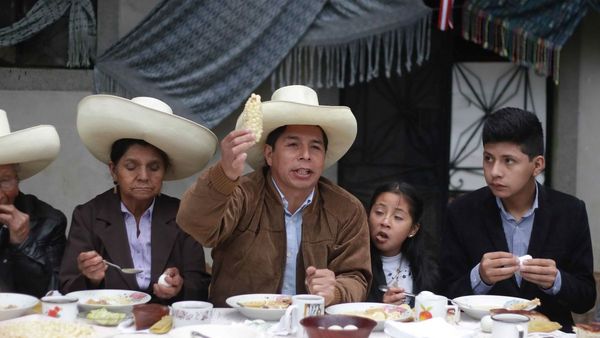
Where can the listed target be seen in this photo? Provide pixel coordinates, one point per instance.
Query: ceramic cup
(509, 325)
(429, 305)
(305, 306)
(63, 307)
(191, 312)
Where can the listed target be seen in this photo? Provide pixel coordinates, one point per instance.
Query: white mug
(429, 305)
(191, 312)
(509, 325)
(305, 306)
(63, 307)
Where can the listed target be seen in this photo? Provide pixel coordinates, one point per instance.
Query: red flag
(445, 15)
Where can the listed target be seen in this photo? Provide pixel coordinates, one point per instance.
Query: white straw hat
(33, 149)
(299, 105)
(104, 119)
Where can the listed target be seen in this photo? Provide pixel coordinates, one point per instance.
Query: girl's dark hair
(120, 147)
(421, 249)
(517, 126)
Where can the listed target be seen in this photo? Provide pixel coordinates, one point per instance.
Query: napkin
(287, 324)
(431, 328)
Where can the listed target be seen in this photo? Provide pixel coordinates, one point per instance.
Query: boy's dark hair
(517, 126)
(274, 135)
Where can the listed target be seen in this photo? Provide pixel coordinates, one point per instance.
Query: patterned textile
(82, 27)
(344, 44)
(204, 58)
(528, 32)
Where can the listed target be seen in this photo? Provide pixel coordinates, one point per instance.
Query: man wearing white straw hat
(32, 233)
(283, 228)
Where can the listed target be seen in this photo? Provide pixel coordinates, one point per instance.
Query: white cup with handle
(305, 306)
(429, 305)
(509, 325)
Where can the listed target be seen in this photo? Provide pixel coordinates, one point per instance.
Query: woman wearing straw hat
(283, 228)
(32, 233)
(133, 224)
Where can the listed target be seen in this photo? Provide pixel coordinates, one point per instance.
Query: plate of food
(379, 312)
(477, 306)
(112, 300)
(14, 305)
(265, 306)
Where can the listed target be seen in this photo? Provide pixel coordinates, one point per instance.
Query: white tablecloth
(232, 316)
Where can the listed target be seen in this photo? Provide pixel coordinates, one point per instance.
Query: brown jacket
(98, 225)
(244, 222)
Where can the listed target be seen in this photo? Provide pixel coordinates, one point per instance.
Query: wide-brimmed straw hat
(104, 119)
(33, 149)
(299, 105)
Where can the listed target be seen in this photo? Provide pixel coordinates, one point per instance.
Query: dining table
(230, 316)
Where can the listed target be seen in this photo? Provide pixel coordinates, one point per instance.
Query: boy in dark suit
(487, 230)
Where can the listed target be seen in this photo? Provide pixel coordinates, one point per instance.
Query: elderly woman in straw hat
(32, 233)
(133, 224)
(283, 228)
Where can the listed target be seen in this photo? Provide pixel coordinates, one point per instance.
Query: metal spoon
(198, 334)
(385, 288)
(123, 270)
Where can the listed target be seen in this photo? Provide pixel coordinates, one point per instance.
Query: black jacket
(560, 232)
(32, 267)
(423, 265)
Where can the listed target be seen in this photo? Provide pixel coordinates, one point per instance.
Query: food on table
(104, 317)
(45, 329)
(591, 330)
(349, 327)
(122, 299)
(486, 323)
(7, 307)
(145, 315)
(522, 305)
(163, 325)
(279, 303)
(387, 312)
(538, 322)
(252, 117)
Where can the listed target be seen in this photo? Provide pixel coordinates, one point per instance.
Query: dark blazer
(98, 225)
(560, 232)
(32, 267)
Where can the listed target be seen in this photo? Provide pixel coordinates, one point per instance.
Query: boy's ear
(539, 163)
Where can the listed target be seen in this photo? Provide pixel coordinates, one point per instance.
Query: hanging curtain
(527, 32)
(345, 43)
(204, 58)
(82, 28)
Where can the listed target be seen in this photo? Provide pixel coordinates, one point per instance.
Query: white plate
(477, 306)
(118, 300)
(256, 313)
(353, 308)
(214, 330)
(22, 303)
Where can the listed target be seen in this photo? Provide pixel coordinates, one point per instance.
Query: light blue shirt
(139, 239)
(518, 235)
(293, 233)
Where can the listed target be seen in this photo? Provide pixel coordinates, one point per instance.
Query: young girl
(402, 254)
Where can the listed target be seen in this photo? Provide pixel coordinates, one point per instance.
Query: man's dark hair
(516, 126)
(276, 133)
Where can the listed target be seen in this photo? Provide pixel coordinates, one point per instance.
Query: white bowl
(477, 306)
(14, 305)
(256, 313)
(191, 312)
(118, 300)
(354, 308)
